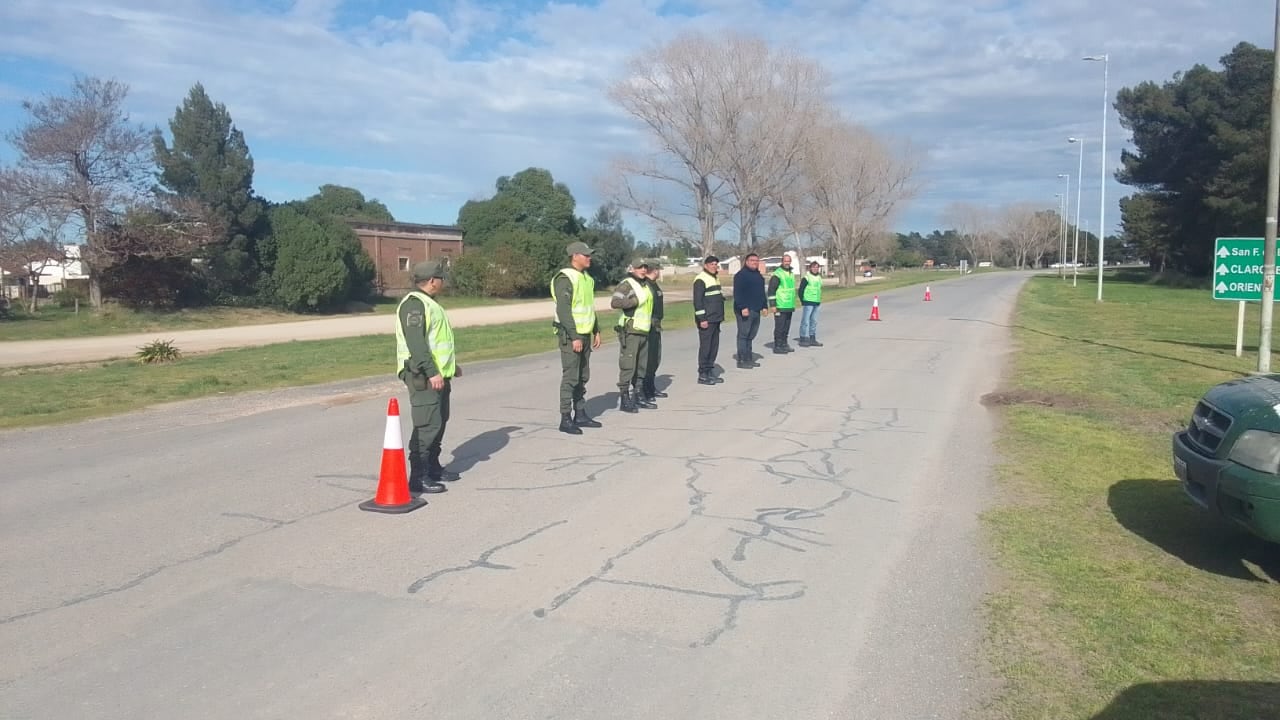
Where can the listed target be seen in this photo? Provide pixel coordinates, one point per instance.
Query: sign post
(1237, 275)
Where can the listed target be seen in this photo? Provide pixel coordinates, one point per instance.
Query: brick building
(396, 247)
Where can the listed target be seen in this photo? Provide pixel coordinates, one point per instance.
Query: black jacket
(708, 306)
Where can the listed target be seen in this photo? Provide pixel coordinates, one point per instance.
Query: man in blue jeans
(810, 293)
(750, 303)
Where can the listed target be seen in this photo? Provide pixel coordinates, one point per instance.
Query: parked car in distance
(1228, 457)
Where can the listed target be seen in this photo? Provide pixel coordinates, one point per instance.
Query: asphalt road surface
(797, 542)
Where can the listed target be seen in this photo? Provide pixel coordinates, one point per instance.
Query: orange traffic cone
(927, 295)
(393, 483)
(875, 308)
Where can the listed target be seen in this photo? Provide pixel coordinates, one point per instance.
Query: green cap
(428, 269)
(579, 248)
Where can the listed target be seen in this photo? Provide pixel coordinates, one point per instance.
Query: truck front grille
(1208, 427)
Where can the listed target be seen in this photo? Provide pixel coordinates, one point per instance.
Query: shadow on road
(480, 448)
(1194, 700)
(600, 404)
(1159, 512)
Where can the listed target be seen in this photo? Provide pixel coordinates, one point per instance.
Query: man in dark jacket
(749, 305)
(650, 388)
(708, 313)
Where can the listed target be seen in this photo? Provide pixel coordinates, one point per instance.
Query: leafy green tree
(347, 203)
(319, 263)
(209, 161)
(530, 200)
(615, 246)
(1197, 162)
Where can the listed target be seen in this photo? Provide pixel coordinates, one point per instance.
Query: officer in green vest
(574, 291)
(425, 361)
(782, 300)
(635, 299)
(810, 300)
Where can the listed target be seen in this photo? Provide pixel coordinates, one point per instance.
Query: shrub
(159, 351)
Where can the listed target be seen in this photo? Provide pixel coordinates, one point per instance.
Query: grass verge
(1119, 598)
(53, 394)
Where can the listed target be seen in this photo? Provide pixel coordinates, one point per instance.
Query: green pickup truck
(1228, 457)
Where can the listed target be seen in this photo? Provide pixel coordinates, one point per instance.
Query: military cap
(579, 248)
(428, 269)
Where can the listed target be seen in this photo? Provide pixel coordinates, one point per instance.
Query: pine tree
(210, 161)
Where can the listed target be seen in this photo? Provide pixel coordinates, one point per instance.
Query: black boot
(625, 402)
(652, 390)
(436, 472)
(581, 419)
(642, 399)
(803, 341)
(704, 378)
(419, 482)
(568, 426)
(813, 342)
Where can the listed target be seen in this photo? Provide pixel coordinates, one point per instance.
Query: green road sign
(1237, 269)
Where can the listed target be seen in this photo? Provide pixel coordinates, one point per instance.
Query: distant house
(396, 247)
(50, 275)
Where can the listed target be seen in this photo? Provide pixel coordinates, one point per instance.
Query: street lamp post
(1269, 229)
(1102, 191)
(1075, 252)
(1062, 222)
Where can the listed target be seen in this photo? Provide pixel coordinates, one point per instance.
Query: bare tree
(855, 182)
(767, 101)
(81, 154)
(30, 233)
(977, 227)
(670, 89)
(1030, 232)
(162, 227)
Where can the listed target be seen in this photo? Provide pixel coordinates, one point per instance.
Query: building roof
(404, 226)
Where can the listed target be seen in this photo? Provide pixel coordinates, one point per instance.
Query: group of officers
(425, 353)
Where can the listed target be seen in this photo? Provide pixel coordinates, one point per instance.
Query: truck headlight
(1257, 449)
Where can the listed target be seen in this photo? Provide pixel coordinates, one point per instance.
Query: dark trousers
(429, 410)
(781, 327)
(655, 357)
(708, 347)
(575, 371)
(747, 328)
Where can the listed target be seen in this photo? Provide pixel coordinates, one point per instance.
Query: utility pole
(1273, 198)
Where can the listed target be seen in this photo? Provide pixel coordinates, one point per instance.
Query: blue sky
(423, 105)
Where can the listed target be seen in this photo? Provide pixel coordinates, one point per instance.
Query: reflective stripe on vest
(712, 284)
(785, 296)
(437, 330)
(812, 288)
(642, 315)
(583, 306)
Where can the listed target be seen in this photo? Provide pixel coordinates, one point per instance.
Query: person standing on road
(782, 300)
(749, 305)
(810, 300)
(634, 298)
(708, 313)
(426, 364)
(574, 291)
(651, 391)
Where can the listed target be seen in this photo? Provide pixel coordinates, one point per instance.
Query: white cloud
(425, 109)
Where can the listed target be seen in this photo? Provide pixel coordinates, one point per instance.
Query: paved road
(799, 542)
(15, 353)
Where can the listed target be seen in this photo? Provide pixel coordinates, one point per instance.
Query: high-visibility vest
(785, 296)
(642, 315)
(812, 288)
(711, 287)
(437, 330)
(583, 306)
